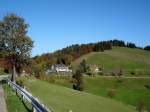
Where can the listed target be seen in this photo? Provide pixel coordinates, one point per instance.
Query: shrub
(147, 86)
(100, 73)
(120, 73)
(49, 79)
(132, 72)
(119, 80)
(141, 106)
(113, 74)
(89, 73)
(20, 82)
(6, 71)
(111, 93)
(78, 80)
(2, 72)
(147, 48)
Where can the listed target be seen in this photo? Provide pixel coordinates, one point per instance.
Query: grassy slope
(63, 99)
(129, 91)
(126, 58)
(14, 104)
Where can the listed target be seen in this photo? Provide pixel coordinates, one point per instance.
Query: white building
(60, 68)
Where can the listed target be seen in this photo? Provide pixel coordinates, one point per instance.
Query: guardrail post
(16, 92)
(21, 97)
(33, 109)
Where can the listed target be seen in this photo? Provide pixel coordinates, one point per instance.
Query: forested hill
(71, 53)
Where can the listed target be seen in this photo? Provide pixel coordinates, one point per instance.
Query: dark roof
(60, 65)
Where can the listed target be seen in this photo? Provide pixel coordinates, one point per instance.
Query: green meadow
(63, 99)
(127, 90)
(129, 60)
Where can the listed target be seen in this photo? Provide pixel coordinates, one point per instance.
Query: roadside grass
(14, 104)
(62, 99)
(129, 91)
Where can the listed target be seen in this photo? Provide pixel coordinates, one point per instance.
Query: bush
(120, 73)
(111, 93)
(147, 86)
(6, 71)
(89, 73)
(113, 74)
(132, 72)
(119, 80)
(100, 73)
(49, 79)
(20, 82)
(2, 72)
(147, 48)
(141, 106)
(78, 80)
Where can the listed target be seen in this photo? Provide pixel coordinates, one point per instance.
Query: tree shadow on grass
(27, 107)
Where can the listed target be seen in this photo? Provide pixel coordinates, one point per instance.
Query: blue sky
(55, 24)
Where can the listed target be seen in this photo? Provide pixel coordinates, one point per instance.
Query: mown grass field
(129, 90)
(13, 102)
(127, 59)
(62, 99)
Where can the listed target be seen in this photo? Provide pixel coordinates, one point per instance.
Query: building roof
(59, 65)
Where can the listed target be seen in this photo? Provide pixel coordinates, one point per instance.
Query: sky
(55, 24)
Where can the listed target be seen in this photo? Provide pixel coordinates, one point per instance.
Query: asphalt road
(2, 99)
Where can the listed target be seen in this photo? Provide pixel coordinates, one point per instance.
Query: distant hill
(128, 59)
(110, 56)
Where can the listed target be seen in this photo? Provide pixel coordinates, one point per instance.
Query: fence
(26, 96)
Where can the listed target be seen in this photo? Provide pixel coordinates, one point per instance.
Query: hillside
(70, 53)
(129, 90)
(62, 99)
(119, 57)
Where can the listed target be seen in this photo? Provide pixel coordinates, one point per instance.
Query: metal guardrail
(36, 105)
